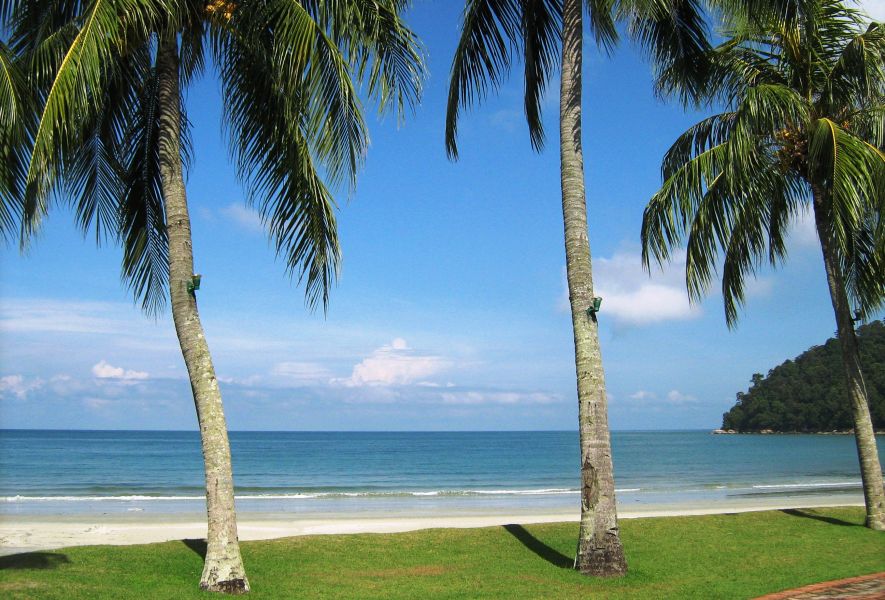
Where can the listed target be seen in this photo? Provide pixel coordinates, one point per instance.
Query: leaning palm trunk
(599, 546)
(870, 471)
(223, 568)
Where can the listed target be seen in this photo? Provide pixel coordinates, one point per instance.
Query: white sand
(36, 532)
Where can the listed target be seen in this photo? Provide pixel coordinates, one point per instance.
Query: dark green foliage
(809, 393)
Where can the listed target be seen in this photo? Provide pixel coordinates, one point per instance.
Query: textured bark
(223, 568)
(599, 545)
(867, 453)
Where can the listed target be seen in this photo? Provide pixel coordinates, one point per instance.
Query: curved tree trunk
(223, 568)
(870, 470)
(599, 545)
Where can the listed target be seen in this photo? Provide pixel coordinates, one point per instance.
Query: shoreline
(50, 532)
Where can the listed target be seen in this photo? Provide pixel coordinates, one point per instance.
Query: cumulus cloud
(245, 217)
(104, 370)
(18, 386)
(643, 395)
(394, 364)
(631, 296)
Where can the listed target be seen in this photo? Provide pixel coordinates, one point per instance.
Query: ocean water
(416, 473)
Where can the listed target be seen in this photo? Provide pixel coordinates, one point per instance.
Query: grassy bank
(717, 556)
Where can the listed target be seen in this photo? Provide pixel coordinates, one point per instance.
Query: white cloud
(103, 370)
(394, 364)
(18, 386)
(301, 372)
(874, 8)
(630, 295)
(497, 398)
(246, 218)
(643, 395)
(677, 397)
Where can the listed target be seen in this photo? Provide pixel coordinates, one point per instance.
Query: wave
(811, 485)
(301, 495)
(138, 498)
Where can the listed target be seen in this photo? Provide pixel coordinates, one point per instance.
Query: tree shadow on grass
(794, 512)
(197, 545)
(551, 555)
(33, 560)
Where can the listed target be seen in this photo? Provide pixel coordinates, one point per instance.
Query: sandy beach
(40, 532)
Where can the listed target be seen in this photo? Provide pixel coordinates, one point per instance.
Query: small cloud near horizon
(394, 364)
(104, 370)
(18, 386)
(677, 397)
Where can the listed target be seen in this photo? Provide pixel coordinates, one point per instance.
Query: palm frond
(15, 115)
(671, 210)
(141, 211)
(387, 54)
(270, 128)
(541, 31)
(72, 99)
(853, 172)
(859, 72)
(490, 30)
(674, 33)
(602, 23)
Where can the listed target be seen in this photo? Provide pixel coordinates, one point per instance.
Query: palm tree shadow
(793, 512)
(551, 555)
(197, 545)
(33, 560)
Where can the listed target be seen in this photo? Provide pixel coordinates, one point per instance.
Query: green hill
(808, 394)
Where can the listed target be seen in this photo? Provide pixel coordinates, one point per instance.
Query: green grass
(717, 556)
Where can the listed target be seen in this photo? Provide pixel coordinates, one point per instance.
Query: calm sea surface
(73, 472)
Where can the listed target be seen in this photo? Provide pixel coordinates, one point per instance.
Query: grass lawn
(717, 556)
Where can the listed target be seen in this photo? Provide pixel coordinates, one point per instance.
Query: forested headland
(808, 394)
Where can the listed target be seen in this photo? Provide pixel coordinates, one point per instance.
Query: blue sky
(451, 310)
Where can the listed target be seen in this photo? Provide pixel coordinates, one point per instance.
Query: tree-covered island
(808, 394)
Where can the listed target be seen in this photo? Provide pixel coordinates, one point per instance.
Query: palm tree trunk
(599, 545)
(870, 470)
(223, 568)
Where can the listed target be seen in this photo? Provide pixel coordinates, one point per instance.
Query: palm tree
(112, 137)
(673, 32)
(804, 89)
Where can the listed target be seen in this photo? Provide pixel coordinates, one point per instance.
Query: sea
(417, 473)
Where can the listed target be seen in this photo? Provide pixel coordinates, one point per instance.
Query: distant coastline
(774, 432)
(808, 393)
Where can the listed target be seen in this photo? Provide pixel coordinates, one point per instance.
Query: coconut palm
(492, 30)
(804, 90)
(112, 139)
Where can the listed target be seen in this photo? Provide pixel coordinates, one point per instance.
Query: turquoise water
(73, 472)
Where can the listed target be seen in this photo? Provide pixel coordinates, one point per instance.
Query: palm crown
(805, 103)
(672, 32)
(293, 116)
